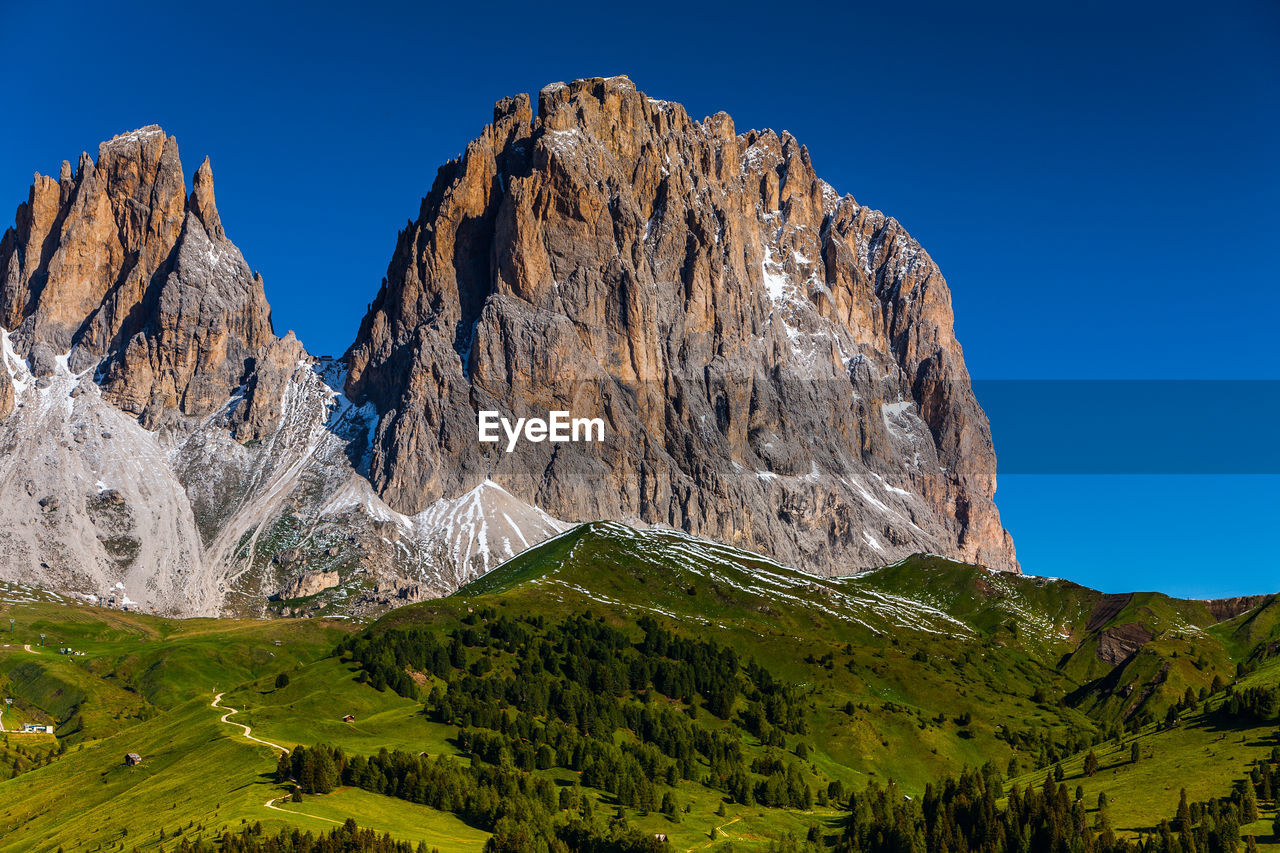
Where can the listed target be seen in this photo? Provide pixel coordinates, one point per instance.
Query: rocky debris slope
(160, 447)
(90, 503)
(775, 362)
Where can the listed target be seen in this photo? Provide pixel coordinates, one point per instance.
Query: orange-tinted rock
(116, 265)
(776, 363)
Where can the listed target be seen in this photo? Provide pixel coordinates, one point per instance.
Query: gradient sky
(1098, 181)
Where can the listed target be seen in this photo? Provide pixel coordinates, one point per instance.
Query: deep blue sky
(1098, 180)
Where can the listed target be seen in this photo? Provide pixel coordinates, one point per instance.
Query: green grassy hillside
(909, 673)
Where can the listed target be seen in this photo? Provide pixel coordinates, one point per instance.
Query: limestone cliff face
(85, 246)
(775, 363)
(114, 264)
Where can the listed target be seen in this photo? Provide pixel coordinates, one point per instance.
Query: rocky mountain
(161, 447)
(775, 366)
(114, 265)
(775, 363)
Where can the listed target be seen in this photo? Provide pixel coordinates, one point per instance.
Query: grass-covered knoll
(912, 670)
(892, 678)
(926, 634)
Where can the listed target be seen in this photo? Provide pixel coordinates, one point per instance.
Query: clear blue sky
(1098, 180)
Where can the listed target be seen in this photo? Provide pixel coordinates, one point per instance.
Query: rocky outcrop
(775, 363)
(309, 583)
(6, 395)
(1121, 642)
(1223, 609)
(85, 247)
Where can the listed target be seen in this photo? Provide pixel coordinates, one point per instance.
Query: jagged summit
(202, 203)
(776, 363)
(116, 266)
(162, 448)
(134, 136)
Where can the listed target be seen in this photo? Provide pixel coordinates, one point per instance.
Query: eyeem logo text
(557, 426)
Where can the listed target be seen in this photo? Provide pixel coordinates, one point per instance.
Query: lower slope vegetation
(611, 688)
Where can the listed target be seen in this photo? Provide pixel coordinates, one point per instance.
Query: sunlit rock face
(776, 363)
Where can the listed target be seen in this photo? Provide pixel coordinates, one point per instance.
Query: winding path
(271, 804)
(248, 732)
(718, 829)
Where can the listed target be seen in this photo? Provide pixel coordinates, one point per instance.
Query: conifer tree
(1248, 804)
(1183, 822)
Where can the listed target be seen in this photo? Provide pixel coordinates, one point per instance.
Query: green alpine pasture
(910, 673)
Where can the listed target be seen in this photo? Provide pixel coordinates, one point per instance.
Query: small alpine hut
(132, 759)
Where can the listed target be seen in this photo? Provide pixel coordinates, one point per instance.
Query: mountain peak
(143, 143)
(598, 88)
(145, 132)
(777, 364)
(202, 201)
(83, 248)
(105, 264)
